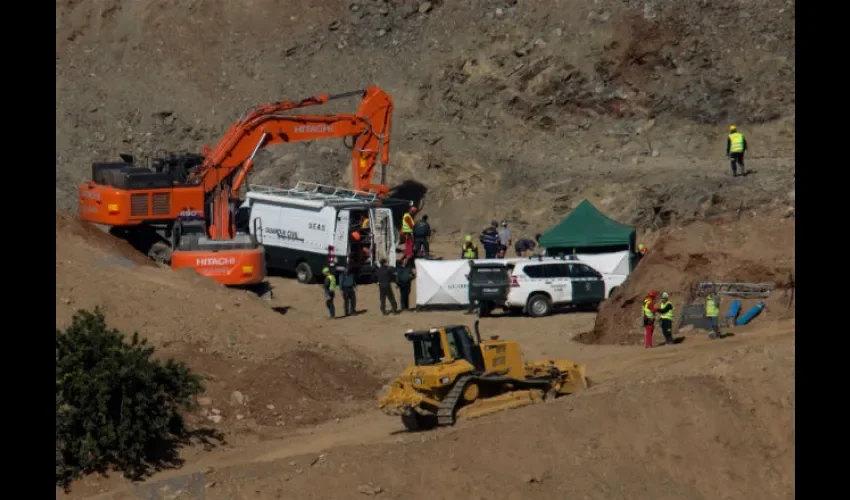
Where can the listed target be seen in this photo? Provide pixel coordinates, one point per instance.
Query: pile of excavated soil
(722, 249)
(284, 376)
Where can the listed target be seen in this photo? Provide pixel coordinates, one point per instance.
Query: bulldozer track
(449, 405)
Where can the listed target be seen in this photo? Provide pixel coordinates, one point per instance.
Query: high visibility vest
(470, 251)
(330, 282)
(711, 309)
(647, 312)
(736, 142)
(668, 314)
(407, 224)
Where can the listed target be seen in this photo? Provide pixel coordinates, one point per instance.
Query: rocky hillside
(508, 108)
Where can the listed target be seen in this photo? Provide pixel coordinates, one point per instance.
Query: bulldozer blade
(507, 401)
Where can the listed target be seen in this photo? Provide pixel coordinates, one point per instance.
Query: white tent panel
(441, 282)
(607, 263)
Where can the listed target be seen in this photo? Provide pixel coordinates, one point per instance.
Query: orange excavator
(181, 207)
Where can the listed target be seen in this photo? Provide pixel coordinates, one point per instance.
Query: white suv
(538, 285)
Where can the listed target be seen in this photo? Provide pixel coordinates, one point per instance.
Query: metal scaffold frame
(329, 194)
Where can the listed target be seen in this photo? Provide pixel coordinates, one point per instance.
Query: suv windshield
(426, 349)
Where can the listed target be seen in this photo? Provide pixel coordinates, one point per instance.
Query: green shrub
(115, 406)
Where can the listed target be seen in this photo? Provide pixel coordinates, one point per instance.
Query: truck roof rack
(329, 195)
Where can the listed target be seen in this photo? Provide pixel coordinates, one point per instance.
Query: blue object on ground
(752, 313)
(734, 309)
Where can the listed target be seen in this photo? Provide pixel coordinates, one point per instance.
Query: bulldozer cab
(446, 344)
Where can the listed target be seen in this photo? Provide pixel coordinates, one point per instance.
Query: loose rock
(237, 398)
(369, 490)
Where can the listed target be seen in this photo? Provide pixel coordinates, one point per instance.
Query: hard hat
(355, 235)
(732, 128)
(665, 295)
(641, 247)
(325, 270)
(468, 238)
(652, 294)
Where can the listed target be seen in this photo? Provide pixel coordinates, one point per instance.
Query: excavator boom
(267, 125)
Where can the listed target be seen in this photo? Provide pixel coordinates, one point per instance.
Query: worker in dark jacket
(329, 287)
(404, 275)
(385, 277)
(348, 283)
(665, 314)
(421, 237)
(491, 241)
(736, 145)
(524, 245)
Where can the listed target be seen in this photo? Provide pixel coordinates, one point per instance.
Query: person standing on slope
(385, 277)
(404, 275)
(348, 283)
(736, 146)
(665, 314)
(491, 241)
(505, 239)
(469, 250)
(329, 287)
(712, 311)
(407, 225)
(649, 310)
(421, 237)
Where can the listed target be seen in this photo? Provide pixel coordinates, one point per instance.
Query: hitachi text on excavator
(180, 209)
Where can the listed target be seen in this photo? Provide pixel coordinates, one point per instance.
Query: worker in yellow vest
(665, 314)
(649, 310)
(329, 287)
(712, 311)
(407, 224)
(736, 145)
(469, 250)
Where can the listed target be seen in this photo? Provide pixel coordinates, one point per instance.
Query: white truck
(313, 226)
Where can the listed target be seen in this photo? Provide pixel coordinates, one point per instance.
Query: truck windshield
(427, 349)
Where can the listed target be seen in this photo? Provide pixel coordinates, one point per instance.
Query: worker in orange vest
(407, 225)
(649, 310)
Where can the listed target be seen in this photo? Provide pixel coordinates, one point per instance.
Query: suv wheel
(539, 305)
(304, 272)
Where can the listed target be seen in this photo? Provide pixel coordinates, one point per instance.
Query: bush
(115, 406)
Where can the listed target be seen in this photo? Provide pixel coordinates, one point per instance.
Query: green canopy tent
(587, 230)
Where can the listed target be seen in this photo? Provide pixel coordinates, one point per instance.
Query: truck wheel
(304, 272)
(539, 305)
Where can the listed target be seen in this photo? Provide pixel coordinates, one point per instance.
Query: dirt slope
(498, 102)
(230, 336)
(702, 419)
(749, 249)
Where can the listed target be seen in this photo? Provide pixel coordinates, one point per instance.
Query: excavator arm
(227, 165)
(267, 125)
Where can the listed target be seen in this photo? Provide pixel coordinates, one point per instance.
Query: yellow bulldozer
(456, 375)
